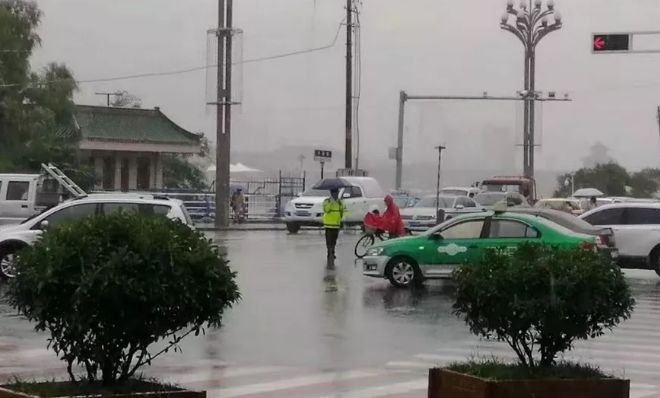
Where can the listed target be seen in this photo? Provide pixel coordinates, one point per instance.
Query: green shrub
(106, 288)
(494, 369)
(541, 298)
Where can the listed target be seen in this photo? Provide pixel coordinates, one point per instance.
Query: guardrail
(201, 206)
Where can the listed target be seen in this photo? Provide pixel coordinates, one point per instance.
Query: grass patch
(55, 389)
(496, 370)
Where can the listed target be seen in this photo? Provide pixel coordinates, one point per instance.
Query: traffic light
(610, 42)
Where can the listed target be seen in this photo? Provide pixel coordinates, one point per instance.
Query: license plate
(303, 213)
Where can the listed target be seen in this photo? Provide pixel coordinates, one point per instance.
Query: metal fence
(265, 198)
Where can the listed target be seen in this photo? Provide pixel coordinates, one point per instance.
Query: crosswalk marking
(204, 374)
(289, 383)
(389, 389)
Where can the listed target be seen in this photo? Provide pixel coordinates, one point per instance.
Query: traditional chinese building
(126, 145)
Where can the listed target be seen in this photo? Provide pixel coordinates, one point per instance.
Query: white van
(18, 197)
(359, 196)
(25, 195)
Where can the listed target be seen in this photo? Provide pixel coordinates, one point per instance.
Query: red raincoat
(391, 219)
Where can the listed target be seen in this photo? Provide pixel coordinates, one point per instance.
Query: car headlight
(375, 251)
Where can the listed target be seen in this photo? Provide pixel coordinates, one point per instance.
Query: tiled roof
(131, 124)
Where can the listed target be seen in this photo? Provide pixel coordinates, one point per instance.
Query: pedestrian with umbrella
(333, 213)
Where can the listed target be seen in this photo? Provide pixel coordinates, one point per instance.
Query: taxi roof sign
(501, 206)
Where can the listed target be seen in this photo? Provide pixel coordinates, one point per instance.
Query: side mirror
(43, 225)
(459, 207)
(436, 236)
(346, 195)
(299, 194)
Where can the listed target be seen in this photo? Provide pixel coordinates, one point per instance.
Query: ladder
(64, 181)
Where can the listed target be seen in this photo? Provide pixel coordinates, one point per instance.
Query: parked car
(490, 199)
(436, 253)
(405, 199)
(16, 237)
(422, 216)
(605, 236)
(359, 196)
(24, 195)
(470, 192)
(636, 229)
(18, 197)
(567, 205)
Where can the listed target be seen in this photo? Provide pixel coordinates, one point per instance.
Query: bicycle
(368, 239)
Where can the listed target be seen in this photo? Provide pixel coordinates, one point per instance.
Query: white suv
(359, 195)
(14, 238)
(636, 229)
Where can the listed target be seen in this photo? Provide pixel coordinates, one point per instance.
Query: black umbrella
(328, 184)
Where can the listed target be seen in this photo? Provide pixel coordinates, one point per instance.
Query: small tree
(107, 288)
(541, 298)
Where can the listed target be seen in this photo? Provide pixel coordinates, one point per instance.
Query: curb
(271, 228)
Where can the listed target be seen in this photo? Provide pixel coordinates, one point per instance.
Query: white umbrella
(587, 193)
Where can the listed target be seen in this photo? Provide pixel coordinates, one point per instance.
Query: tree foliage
(107, 288)
(179, 173)
(542, 299)
(124, 99)
(612, 180)
(36, 108)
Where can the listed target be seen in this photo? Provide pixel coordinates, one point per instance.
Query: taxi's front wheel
(403, 272)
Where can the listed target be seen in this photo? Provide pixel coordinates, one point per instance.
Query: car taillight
(608, 240)
(587, 246)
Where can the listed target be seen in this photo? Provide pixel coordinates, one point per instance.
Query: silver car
(423, 216)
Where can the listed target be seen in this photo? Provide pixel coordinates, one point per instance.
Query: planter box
(447, 384)
(175, 393)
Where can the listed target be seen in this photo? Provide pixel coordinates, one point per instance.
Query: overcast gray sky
(422, 46)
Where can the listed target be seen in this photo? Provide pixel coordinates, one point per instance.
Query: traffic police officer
(333, 213)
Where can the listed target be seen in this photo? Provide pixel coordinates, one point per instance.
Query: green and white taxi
(437, 252)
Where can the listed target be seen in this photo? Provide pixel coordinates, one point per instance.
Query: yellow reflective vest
(333, 213)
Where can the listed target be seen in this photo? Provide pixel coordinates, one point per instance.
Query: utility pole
(301, 159)
(403, 97)
(437, 190)
(349, 85)
(223, 116)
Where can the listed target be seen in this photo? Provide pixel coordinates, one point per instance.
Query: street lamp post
(530, 23)
(437, 190)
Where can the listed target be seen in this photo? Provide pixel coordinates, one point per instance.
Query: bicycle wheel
(361, 247)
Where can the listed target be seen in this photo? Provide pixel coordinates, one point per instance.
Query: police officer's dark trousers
(331, 235)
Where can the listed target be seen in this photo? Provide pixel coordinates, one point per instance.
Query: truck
(25, 195)
(523, 185)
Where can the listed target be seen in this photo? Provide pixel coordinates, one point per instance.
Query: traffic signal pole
(404, 98)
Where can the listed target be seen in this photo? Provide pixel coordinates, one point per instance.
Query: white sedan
(423, 216)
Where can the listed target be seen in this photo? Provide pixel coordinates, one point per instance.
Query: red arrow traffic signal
(599, 43)
(611, 42)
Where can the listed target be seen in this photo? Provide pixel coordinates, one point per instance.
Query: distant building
(598, 154)
(126, 145)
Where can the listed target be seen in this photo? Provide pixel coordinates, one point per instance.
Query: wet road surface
(304, 331)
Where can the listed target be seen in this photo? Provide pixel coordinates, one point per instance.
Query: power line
(193, 69)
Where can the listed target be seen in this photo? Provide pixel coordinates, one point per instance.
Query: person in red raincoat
(391, 219)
